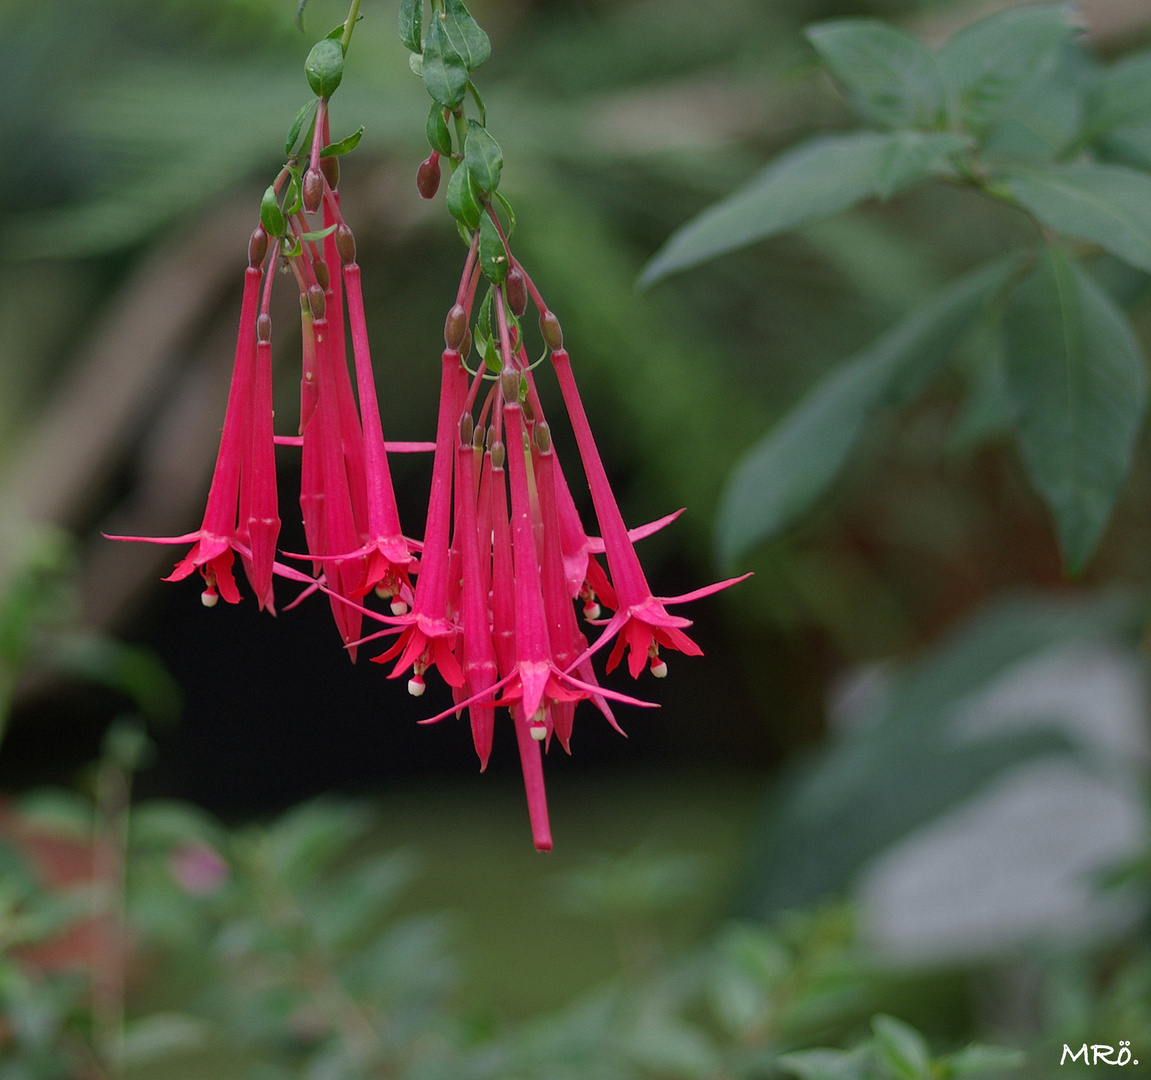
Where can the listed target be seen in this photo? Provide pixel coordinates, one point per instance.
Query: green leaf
(416, 63)
(445, 73)
(827, 1064)
(978, 1061)
(493, 253)
(815, 179)
(162, 1037)
(782, 476)
(271, 216)
(293, 193)
(439, 137)
(1122, 94)
(483, 157)
(411, 24)
(901, 1048)
(1108, 205)
(344, 146)
(1077, 376)
(986, 63)
(319, 234)
(324, 67)
(887, 74)
(462, 198)
(468, 40)
(297, 126)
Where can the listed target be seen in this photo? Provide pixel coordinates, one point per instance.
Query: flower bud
(313, 190)
(466, 345)
(264, 328)
(515, 286)
(345, 244)
(550, 328)
(316, 301)
(428, 176)
(529, 412)
(510, 386)
(467, 426)
(455, 326)
(320, 269)
(330, 167)
(257, 246)
(497, 451)
(543, 437)
(478, 439)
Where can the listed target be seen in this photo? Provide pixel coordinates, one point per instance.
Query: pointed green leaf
(344, 146)
(297, 125)
(467, 38)
(1108, 205)
(439, 138)
(783, 475)
(493, 254)
(828, 1064)
(318, 234)
(983, 65)
(463, 199)
(901, 1048)
(411, 24)
(271, 216)
(978, 1061)
(812, 180)
(887, 74)
(483, 157)
(324, 67)
(1077, 377)
(445, 73)
(1122, 94)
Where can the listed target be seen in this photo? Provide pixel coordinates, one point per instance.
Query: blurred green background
(783, 768)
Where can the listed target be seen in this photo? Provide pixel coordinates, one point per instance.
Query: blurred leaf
(672, 1048)
(1122, 93)
(901, 1048)
(817, 178)
(780, 478)
(978, 1061)
(899, 766)
(162, 823)
(828, 1064)
(988, 409)
(888, 75)
(1108, 205)
(639, 883)
(306, 839)
(346, 907)
(1077, 376)
(162, 1037)
(984, 64)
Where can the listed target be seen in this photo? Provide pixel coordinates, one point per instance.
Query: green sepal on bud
(463, 199)
(271, 216)
(553, 335)
(316, 301)
(455, 327)
(257, 246)
(516, 291)
(325, 67)
(313, 190)
(428, 176)
(345, 244)
(436, 129)
(344, 146)
(493, 254)
(483, 157)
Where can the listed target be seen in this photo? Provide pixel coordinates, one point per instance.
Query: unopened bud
(510, 386)
(543, 437)
(550, 328)
(257, 246)
(313, 190)
(478, 439)
(345, 244)
(330, 167)
(516, 288)
(316, 301)
(497, 452)
(466, 345)
(264, 328)
(455, 327)
(529, 412)
(466, 429)
(323, 278)
(428, 176)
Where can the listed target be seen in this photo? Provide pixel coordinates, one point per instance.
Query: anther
(416, 686)
(209, 597)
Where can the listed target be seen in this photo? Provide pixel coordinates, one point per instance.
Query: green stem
(350, 24)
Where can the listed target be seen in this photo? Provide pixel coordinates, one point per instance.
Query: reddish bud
(550, 328)
(455, 326)
(345, 244)
(467, 426)
(466, 345)
(497, 452)
(257, 246)
(264, 328)
(510, 386)
(478, 439)
(428, 176)
(323, 278)
(313, 190)
(516, 290)
(330, 167)
(543, 437)
(316, 301)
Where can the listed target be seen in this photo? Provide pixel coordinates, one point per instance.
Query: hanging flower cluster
(491, 600)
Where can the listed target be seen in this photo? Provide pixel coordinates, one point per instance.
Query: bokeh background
(908, 710)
